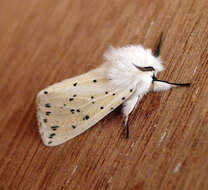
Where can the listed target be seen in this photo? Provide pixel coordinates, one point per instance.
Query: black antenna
(157, 52)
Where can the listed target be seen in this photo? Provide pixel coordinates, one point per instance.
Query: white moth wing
(68, 108)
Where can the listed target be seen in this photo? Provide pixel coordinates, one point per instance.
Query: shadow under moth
(68, 108)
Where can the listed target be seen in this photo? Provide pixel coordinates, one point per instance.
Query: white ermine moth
(68, 108)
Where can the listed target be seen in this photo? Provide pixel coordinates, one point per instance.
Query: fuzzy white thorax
(122, 71)
(122, 61)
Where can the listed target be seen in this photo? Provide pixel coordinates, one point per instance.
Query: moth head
(132, 63)
(134, 58)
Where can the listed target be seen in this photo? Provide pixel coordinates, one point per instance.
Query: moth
(68, 108)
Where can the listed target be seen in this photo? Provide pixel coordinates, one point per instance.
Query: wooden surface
(44, 41)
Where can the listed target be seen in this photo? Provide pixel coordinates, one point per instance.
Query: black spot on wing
(71, 99)
(94, 81)
(48, 113)
(86, 117)
(51, 135)
(54, 127)
(123, 98)
(75, 84)
(47, 105)
(45, 120)
(73, 126)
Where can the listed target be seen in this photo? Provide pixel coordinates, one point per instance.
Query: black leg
(157, 52)
(127, 127)
(177, 84)
(127, 130)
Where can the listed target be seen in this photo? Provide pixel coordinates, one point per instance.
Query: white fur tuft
(133, 54)
(122, 61)
(122, 71)
(162, 86)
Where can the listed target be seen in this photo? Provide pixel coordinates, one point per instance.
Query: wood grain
(46, 41)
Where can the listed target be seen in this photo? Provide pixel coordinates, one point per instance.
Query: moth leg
(128, 107)
(127, 126)
(159, 85)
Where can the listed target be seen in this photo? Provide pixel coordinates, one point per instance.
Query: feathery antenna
(157, 52)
